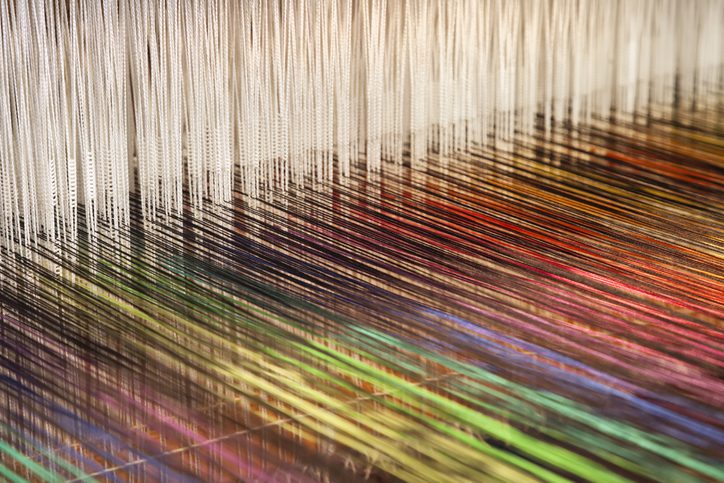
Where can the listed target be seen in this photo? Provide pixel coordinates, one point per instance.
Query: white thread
(186, 94)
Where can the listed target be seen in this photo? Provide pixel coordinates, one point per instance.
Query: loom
(361, 240)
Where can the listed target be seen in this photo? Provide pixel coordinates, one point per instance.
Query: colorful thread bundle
(549, 312)
(179, 96)
(368, 240)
